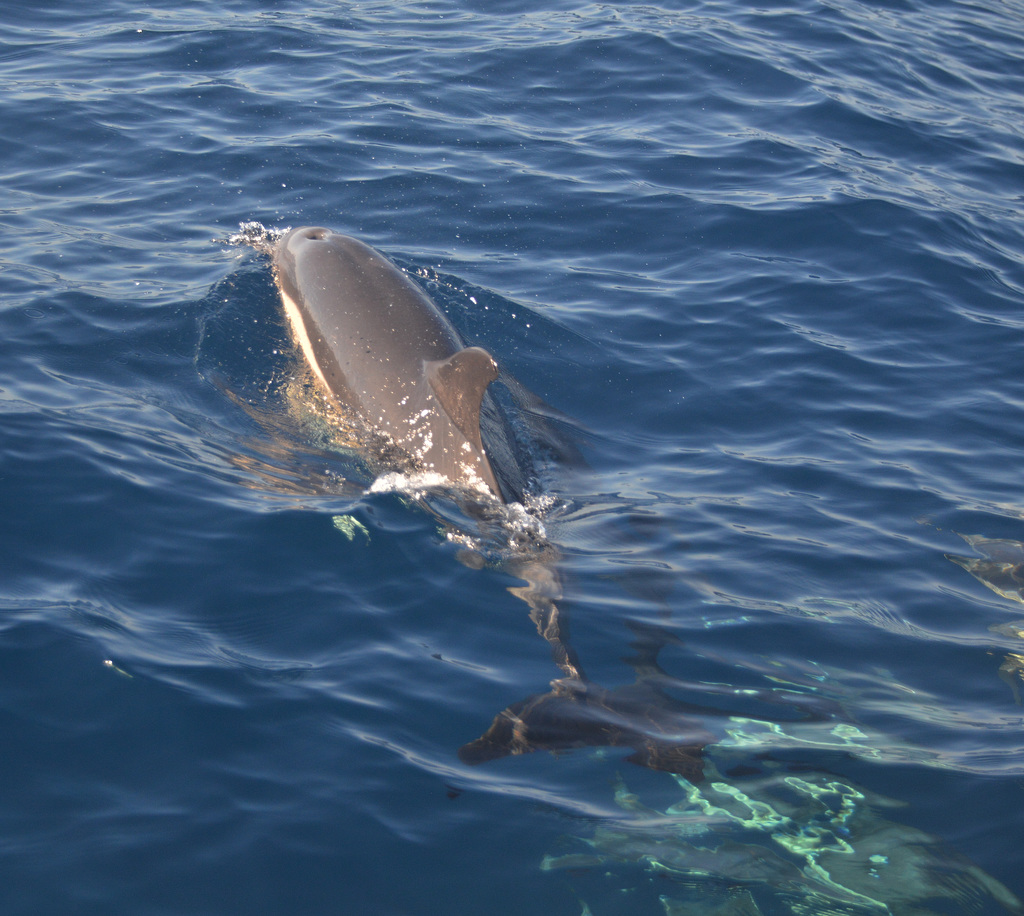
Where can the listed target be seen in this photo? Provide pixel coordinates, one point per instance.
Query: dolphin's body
(382, 348)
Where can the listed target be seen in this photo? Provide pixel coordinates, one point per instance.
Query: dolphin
(383, 350)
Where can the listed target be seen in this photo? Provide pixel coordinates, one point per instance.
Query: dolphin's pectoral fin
(459, 383)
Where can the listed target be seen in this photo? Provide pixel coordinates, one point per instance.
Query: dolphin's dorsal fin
(459, 383)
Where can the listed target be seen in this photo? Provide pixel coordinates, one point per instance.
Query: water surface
(769, 261)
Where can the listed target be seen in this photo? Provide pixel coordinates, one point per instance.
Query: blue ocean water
(770, 262)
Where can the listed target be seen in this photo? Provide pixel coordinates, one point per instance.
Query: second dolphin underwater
(383, 350)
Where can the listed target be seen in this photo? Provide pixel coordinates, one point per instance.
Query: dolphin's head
(291, 248)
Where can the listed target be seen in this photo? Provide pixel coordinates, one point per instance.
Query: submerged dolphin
(382, 348)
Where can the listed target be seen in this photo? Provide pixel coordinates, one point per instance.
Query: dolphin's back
(382, 347)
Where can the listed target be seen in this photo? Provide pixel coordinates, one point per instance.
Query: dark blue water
(770, 262)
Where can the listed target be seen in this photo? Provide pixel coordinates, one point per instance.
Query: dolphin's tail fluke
(576, 714)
